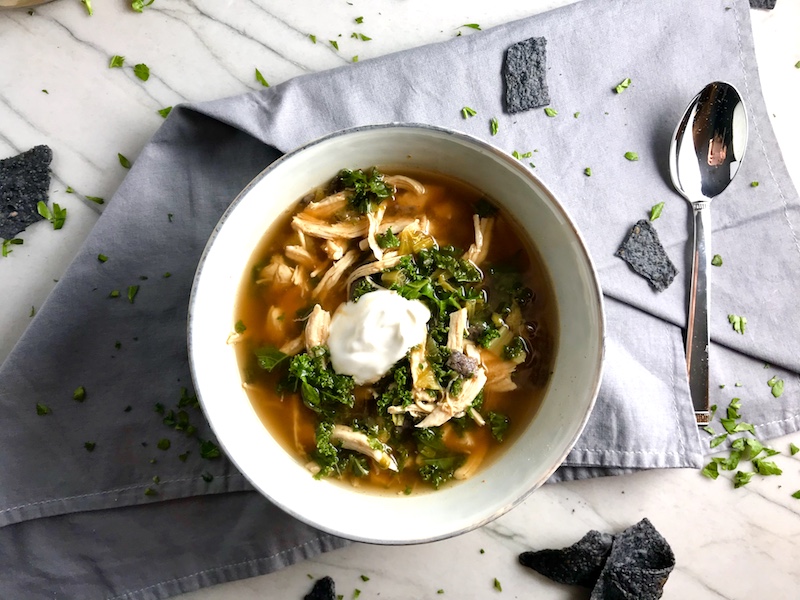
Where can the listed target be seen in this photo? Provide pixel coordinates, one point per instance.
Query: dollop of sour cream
(367, 337)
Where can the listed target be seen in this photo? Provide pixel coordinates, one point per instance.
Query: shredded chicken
(321, 229)
(389, 260)
(335, 249)
(453, 405)
(327, 207)
(499, 373)
(277, 272)
(294, 346)
(455, 335)
(301, 256)
(359, 442)
(474, 460)
(375, 219)
(405, 183)
(300, 279)
(317, 328)
(335, 273)
(483, 234)
(275, 324)
(323, 266)
(476, 416)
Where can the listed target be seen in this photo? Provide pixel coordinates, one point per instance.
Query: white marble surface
(729, 543)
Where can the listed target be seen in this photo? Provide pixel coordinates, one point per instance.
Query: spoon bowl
(706, 151)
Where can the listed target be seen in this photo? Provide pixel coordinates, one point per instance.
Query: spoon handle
(697, 341)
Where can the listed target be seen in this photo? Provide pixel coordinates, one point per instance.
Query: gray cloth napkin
(80, 524)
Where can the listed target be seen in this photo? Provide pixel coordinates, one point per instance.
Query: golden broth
(273, 316)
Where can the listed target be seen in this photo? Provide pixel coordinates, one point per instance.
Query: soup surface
(395, 331)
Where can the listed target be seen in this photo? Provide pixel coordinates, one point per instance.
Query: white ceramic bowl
(523, 466)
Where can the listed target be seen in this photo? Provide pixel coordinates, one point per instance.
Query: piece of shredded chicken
(317, 328)
(359, 442)
(454, 405)
(483, 234)
(389, 260)
(499, 372)
(301, 256)
(375, 219)
(294, 346)
(336, 248)
(474, 460)
(334, 274)
(330, 231)
(455, 335)
(405, 183)
(327, 207)
(276, 272)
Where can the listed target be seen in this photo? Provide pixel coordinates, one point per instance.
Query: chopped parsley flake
(623, 85)
(260, 79)
(56, 217)
(124, 161)
(655, 212)
(116, 62)
(184, 456)
(33, 311)
(312, 37)
(239, 327)
(139, 5)
(742, 478)
(69, 190)
(364, 578)
(79, 395)
(334, 43)
(169, 217)
(497, 585)
(95, 199)
(132, 291)
(356, 593)
(12, 242)
(550, 112)
(89, 446)
(42, 409)
(576, 115)
(797, 65)
(209, 450)
(364, 38)
(142, 71)
(716, 261)
(777, 386)
(150, 492)
(102, 258)
(797, 493)
(114, 294)
(471, 26)
(493, 125)
(164, 444)
(359, 20)
(631, 156)
(793, 449)
(207, 477)
(738, 323)
(468, 112)
(167, 275)
(164, 112)
(519, 156)
(753, 184)
(355, 58)
(88, 5)
(587, 171)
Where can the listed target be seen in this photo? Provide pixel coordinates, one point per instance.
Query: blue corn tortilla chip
(24, 182)
(524, 72)
(637, 567)
(324, 589)
(643, 251)
(765, 4)
(579, 564)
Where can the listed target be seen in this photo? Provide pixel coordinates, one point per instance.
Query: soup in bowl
(396, 333)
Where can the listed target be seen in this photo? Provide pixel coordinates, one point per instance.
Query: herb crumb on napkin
(524, 72)
(643, 251)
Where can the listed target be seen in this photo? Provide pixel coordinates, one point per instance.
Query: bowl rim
(556, 205)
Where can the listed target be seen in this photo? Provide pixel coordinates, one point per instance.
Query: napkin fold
(133, 520)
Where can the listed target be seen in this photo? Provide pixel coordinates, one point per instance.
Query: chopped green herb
(550, 112)
(711, 470)
(167, 275)
(359, 20)
(239, 327)
(169, 216)
(312, 37)
(713, 407)
(12, 242)
(364, 578)
(777, 386)
(797, 65)
(114, 294)
(142, 71)
(716, 261)
(366, 190)
(33, 311)
(467, 112)
(631, 156)
(102, 258)
(164, 444)
(132, 291)
(519, 156)
(69, 190)
(587, 171)
(493, 125)
(334, 43)
(56, 217)
(472, 26)
(128, 408)
(718, 440)
(89, 446)
(482, 551)
(655, 212)
(270, 357)
(209, 450)
(184, 456)
(738, 323)
(124, 161)
(576, 115)
(95, 199)
(793, 449)
(355, 58)
(156, 479)
(623, 85)
(766, 467)
(42, 409)
(207, 477)
(79, 395)
(88, 5)
(364, 38)
(797, 493)
(140, 5)
(497, 585)
(499, 424)
(356, 593)
(388, 239)
(440, 591)
(741, 478)
(164, 112)
(753, 184)
(260, 79)
(150, 492)
(116, 62)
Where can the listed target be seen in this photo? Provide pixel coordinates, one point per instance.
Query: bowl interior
(519, 469)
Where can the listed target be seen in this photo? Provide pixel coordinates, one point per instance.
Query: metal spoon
(706, 150)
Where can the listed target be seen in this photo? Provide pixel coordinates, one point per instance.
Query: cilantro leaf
(777, 386)
(366, 190)
(742, 478)
(142, 71)
(95, 199)
(12, 242)
(334, 43)
(102, 258)
(260, 79)
(164, 444)
(116, 62)
(312, 37)
(797, 493)
(359, 20)
(793, 449)
(388, 240)
(718, 440)
(711, 470)
(655, 212)
(766, 467)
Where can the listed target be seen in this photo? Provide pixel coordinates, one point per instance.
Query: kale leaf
(366, 190)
